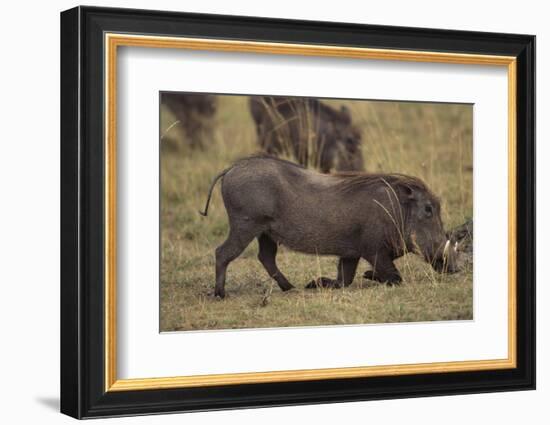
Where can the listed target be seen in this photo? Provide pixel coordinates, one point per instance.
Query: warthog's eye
(429, 211)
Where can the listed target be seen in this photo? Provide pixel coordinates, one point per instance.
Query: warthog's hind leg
(227, 252)
(267, 256)
(346, 272)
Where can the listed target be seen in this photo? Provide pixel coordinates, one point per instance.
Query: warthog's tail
(219, 176)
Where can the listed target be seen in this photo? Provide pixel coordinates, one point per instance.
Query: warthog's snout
(445, 260)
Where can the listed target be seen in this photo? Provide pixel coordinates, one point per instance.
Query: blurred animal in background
(463, 238)
(307, 131)
(193, 114)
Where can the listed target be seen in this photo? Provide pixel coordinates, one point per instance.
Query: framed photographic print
(261, 212)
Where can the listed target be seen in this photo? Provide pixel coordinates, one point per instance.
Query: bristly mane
(356, 180)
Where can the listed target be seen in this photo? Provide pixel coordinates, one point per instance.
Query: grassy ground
(430, 141)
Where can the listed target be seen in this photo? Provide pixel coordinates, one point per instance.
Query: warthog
(308, 130)
(378, 217)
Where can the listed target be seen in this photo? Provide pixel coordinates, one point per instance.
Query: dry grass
(430, 141)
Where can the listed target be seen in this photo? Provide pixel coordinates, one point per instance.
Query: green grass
(433, 142)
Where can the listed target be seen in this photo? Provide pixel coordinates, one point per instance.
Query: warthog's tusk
(456, 247)
(446, 249)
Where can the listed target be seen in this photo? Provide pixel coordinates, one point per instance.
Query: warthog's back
(265, 184)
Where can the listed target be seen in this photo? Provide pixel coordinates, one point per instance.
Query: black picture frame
(83, 392)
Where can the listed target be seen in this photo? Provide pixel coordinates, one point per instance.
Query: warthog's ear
(406, 192)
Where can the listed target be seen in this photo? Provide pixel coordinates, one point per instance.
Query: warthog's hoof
(311, 285)
(323, 282)
(390, 280)
(286, 288)
(219, 294)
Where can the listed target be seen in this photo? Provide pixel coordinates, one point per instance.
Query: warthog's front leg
(346, 272)
(383, 270)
